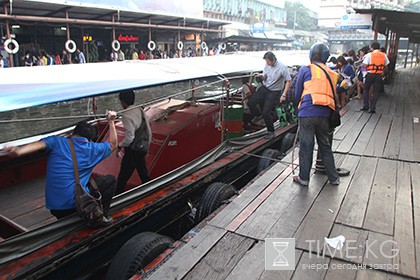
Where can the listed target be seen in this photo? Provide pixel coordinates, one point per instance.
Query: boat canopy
(23, 87)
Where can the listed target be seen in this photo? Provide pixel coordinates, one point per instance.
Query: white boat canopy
(23, 87)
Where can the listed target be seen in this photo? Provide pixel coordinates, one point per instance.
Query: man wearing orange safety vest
(315, 96)
(376, 63)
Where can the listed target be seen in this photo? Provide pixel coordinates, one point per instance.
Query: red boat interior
(182, 131)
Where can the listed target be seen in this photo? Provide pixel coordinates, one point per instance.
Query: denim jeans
(309, 128)
(318, 154)
(269, 98)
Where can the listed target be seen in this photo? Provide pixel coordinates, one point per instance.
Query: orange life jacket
(319, 87)
(377, 62)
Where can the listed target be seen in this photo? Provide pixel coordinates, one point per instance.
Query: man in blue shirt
(274, 75)
(60, 179)
(315, 96)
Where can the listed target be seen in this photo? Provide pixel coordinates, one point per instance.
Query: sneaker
(364, 109)
(336, 182)
(301, 182)
(106, 221)
(270, 135)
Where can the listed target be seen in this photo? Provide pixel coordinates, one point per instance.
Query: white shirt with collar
(276, 75)
(131, 120)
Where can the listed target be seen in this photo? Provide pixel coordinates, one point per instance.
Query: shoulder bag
(335, 117)
(88, 205)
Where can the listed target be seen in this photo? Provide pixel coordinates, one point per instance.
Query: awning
(405, 24)
(52, 13)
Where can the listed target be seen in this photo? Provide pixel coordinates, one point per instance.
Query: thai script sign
(128, 38)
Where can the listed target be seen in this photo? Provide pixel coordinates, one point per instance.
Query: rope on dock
(271, 158)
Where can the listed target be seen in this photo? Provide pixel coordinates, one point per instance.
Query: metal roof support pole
(8, 35)
(417, 54)
(406, 54)
(150, 30)
(68, 33)
(83, 43)
(67, 26)
(201, 45)
(376, 25)
(179, 31)
(393, 48)
(387, 38)
(412, 56)
(113, 28)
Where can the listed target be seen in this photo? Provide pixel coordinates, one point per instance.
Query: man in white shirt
(376, 65)
(135, 143)
(274, 76)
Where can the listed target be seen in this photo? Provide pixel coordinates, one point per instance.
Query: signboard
(258, 28)
(128, 38)
(356, 21)
(184, 8)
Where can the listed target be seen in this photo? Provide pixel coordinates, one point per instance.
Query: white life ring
(222, 46)
(67, 45)
(151, 45)
(116, 45)
(15, 46)
(180, 45)
(203, 45)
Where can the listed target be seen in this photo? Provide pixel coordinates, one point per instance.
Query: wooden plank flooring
(25, 204)
(376, 208)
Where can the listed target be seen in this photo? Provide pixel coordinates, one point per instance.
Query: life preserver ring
(222, 46)
(151, 45)
(116, 45)
(15, 46)
(203, 45)
(67, 45)
(180, 45)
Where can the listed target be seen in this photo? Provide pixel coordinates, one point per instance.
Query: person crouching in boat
(135, 143)
(60, 179)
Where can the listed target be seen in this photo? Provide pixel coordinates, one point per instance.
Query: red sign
(128, 38)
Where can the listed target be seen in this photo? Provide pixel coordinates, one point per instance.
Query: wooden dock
(377, 207)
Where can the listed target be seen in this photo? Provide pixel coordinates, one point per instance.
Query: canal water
(18, 129)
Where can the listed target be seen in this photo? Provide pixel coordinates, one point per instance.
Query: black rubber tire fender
(287, 142)
(136, 254)
(212, 198)
(268, 158)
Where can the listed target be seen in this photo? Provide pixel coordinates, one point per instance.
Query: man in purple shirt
(316, 98)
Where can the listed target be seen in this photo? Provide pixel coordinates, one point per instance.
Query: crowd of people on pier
(42, 57)
(317, 90)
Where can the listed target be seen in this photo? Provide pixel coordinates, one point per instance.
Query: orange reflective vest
(377, 62)
(319, 87)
